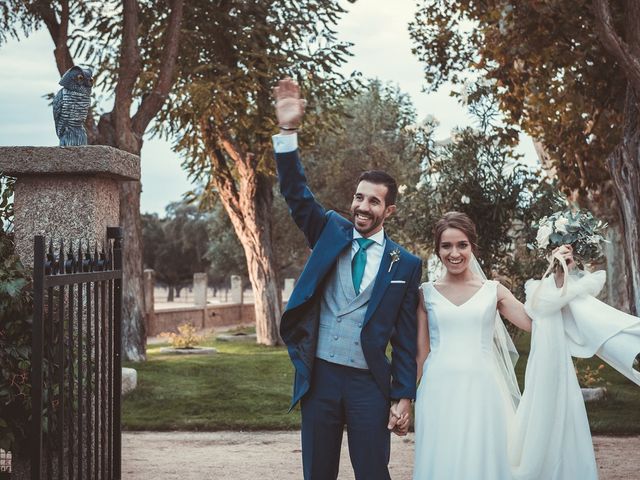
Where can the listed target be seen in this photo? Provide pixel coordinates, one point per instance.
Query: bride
(468, 395)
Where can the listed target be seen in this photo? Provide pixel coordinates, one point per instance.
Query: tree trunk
(247, 198)
(253, 227)
(624, 165)
(624, 161)
(616, 267)
(134, 334)
(170, 294)
(258, 249)
(256, 239)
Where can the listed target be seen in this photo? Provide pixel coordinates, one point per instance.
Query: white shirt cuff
(285, 143)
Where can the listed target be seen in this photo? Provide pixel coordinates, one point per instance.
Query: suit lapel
(385, 274)
(322, 258)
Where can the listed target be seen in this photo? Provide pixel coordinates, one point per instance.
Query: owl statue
(71, 105)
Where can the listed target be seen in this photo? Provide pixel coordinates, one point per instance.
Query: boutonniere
(395, 257)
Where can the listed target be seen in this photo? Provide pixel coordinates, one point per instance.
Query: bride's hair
(460, 221)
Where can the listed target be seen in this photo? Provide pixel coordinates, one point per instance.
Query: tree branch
(221, 175)
(153, 102)
(130, 64)
(59, 33)
(615, 45)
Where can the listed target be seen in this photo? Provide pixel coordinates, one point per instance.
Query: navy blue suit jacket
(390, 315)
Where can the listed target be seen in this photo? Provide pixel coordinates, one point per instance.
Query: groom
(357, 293)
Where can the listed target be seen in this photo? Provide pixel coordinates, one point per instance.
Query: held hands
(289, 106)
(399, 417)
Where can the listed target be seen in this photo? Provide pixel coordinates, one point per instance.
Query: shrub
(16, 308)
(185, 338)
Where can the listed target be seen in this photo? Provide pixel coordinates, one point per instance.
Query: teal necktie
(359, 262)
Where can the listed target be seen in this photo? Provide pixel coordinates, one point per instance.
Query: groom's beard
(374, 222)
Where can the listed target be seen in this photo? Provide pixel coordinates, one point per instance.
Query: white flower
(464, 199)
(595, 239)
(561, 224)
(544, 232)
(402, 189)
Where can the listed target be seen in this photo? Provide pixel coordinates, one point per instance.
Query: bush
(185, 338)
(16, 308)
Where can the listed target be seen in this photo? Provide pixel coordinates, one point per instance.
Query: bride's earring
(636, 363)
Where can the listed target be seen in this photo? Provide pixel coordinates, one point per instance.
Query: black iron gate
(76, 371)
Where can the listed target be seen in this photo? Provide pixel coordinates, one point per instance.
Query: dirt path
(276, 456)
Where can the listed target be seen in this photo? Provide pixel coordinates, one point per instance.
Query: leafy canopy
(552, 76)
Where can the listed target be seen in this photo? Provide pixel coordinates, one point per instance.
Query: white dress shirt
(285, 143)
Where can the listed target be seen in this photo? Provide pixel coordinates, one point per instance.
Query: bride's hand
(566, 251)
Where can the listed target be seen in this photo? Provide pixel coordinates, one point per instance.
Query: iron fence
(76, 364)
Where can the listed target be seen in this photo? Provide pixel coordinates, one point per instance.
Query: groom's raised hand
(289, 106)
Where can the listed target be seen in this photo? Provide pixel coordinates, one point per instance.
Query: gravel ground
(276, 456)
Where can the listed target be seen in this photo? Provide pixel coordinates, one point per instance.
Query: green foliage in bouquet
(576, 227)
(16, 308)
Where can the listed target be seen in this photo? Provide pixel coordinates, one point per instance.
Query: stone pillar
(288, 288)
(200, 289)
(149, 295)
(65, 193)
(236, 289)
(68, 193)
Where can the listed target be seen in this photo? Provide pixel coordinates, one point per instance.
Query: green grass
(618, 414)
(248, 387)
(243, 387)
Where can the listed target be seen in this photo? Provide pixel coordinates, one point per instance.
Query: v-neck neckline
(463, 303)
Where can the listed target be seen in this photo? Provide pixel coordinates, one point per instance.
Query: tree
(479, 173)
(176, 246)
(564, 74)
(221, 113)
(378, 133)
(114, 36)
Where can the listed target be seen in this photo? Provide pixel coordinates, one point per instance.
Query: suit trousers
(339, 396)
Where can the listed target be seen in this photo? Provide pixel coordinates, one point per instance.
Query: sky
(382, 49)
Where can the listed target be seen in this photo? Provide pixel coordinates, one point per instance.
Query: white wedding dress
(467, 427)
(550, 438)
(463, 410)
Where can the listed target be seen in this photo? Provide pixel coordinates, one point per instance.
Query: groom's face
(369, 209)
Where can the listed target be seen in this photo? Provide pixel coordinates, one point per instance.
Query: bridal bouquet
(576, 227)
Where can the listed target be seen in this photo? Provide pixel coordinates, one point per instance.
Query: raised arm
(512, 309)
(307, 213)
(423, 335)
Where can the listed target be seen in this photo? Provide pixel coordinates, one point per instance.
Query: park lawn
(248, 387)
(243, 387)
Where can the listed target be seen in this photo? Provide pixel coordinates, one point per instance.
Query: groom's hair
(381, 178)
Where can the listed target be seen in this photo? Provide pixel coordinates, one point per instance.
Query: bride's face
(455, 250)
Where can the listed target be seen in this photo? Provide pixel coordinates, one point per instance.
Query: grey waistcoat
(342, 316)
